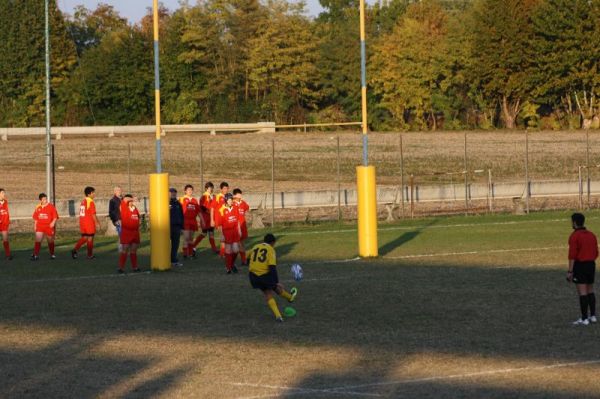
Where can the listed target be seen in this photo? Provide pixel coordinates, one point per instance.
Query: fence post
(580, 188)
(201, 166)
(466, 179)
(273, 183)
(53, 176)
(587, 163)
(490, 191)
(402, 174)
(339, 188)
(527, 172)
(129, 166)
(412, 196)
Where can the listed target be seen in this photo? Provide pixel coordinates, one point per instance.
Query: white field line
(469, 375)
(301, 391)
(445, 226)
(491, 251)
(348, 389)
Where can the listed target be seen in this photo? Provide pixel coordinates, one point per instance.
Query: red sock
(133, 260)
(198, 240)
(185, 250)
(6, 248)
(228, 261)
(122, 260)
(243, 256)
(36, 248)
(233, 258)
(80, 243)
(212, 243)
(51, 247)
(222, 251)
(90, 248)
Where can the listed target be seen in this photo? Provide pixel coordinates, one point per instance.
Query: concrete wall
(385, 195)
(58, 132)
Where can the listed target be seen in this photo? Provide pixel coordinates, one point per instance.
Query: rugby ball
(297, 273)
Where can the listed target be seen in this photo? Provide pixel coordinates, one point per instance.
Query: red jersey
(4, 216)
(130, 218)
(191, 208)
(583, 245)
(206, 202)
(227, 217)
(242, 208)
(87, 215)
(44, 215)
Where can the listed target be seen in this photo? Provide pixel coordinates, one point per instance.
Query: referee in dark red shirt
(583, 251)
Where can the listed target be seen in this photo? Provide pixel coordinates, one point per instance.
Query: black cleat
(228, 271)
(52, 257)
(91, 257)
(120, 271)
(194, 253)
(137, 270)
(9, 257)
(235, 270)
(34, 258)
(74, 254)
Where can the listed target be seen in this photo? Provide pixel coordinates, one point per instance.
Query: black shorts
(583, 272)
(265, 282)
(209, 230)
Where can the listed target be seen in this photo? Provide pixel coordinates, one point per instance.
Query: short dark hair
(2, 190)
(578, 219)
(88, 190)
(128, 196)
(236, 191)
(188, 186)
(269, 238)
(209, 184)
(42, 195)
(224, 184)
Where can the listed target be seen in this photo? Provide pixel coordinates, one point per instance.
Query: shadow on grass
(404, 238)
(384, 313)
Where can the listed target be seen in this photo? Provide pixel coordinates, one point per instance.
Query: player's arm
(572, 256)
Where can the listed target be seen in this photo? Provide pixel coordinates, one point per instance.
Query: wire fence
(461, 167)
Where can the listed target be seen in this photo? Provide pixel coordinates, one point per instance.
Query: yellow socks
(273, 306)
(286, 295)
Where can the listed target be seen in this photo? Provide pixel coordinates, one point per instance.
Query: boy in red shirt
(88, 223)
(130, 233)
(191, 209)
(227, 218)
(217, 204)
(242, 208)
(206, 203)
(4, 223)
(583, 252)
(45, 217)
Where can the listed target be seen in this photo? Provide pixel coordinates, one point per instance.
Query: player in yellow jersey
(263, 274)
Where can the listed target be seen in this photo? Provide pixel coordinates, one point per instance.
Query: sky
(134, 10)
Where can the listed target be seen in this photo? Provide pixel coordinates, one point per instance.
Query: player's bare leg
(37, 246)
(187, 240)
(6, 245)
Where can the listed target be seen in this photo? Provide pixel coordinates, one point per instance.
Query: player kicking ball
(263, 275)
(130, 233)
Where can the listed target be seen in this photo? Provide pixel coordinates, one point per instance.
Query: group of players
(223, 212)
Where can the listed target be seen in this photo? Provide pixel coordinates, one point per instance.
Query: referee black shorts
(584, 272)
(265, 282)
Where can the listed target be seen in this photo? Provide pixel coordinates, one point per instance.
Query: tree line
(432, 64)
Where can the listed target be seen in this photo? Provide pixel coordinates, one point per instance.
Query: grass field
(474, 307)
(303, 161)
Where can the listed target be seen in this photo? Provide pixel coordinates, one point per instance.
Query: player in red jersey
(4, 223)
(88, 223)
(191, 209)
(243, 208)
(130, 233)
(206, 203)
(227, 218)
(45, 217)
(217, 204)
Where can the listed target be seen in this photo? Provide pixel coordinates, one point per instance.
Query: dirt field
(303, 161)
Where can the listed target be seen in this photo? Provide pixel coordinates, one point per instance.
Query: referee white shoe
(581, 322)
(593, 319)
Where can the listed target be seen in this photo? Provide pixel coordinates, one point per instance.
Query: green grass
(453, 307)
